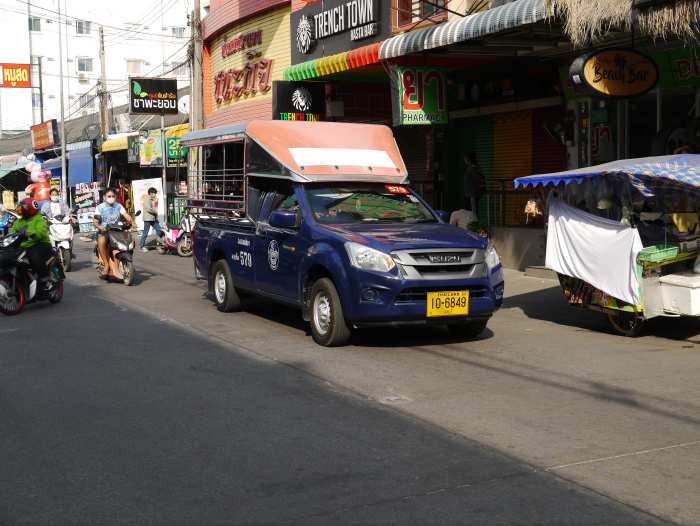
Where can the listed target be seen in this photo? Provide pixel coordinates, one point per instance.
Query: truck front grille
(441, 263)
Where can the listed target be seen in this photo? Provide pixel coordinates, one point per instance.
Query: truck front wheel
(328, 326)
(225, 295)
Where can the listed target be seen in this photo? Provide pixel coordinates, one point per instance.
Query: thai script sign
(153, 96)
(15, 76)
(44, 135)
(420, 98)
(241, 42)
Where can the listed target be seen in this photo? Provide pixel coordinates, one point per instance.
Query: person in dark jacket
(473, 182)
(150, 216)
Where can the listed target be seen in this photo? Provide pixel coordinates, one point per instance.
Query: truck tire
(224, 292)
(469, 330)
(328, 326)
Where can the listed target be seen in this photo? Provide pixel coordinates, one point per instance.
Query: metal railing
(222, 190)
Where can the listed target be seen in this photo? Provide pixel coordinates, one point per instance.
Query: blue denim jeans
(147, 228)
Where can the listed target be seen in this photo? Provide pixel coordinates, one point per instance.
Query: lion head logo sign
(301, 99)
(305, 35)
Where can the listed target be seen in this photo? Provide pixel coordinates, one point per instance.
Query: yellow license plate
(448, 303)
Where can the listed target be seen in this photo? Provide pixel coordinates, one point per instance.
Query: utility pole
(31, 63)
(64, 171)
(196, 99)
(41, 93)
(102, 88)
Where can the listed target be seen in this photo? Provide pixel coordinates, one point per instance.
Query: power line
(117, 28)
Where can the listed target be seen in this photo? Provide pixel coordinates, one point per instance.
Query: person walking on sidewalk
(150, 216)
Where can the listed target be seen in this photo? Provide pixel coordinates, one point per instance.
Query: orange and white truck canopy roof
(319, 151)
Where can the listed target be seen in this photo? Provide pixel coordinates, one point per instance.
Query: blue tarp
(648, 174)
(80, 166)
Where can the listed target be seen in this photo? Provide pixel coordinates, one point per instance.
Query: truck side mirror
(443, 216)
(283, 219)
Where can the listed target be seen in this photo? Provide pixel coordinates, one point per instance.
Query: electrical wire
(117, 28)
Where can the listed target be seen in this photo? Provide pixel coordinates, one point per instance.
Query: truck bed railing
(221, 191)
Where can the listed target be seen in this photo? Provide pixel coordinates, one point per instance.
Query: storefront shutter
(412, 145)
(513, 155)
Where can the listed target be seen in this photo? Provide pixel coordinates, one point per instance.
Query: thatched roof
(678, 20)
(587, 21)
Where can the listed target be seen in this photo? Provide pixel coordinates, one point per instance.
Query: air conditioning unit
(83, 78)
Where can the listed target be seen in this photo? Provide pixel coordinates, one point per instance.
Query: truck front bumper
(372, 298)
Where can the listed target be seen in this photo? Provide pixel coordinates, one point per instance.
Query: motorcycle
(120, 247)
(19, 284)
(178, 239)
(61, 235)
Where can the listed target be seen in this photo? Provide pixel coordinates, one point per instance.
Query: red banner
(15, 76)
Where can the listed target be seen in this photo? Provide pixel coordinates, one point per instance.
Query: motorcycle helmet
(27, 208)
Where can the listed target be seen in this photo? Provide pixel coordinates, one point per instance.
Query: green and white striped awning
(494, 20)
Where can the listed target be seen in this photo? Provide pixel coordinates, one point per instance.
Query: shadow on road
(158, 425)
(399, 336)
(550, 305)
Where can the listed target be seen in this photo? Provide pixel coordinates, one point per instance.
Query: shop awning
(494, 20)
(10, 163)
(648, 174)
(320, 67)
(117, 142)
(177, 131)
(219, 134)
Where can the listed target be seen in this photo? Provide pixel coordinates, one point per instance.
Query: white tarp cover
(598, 251)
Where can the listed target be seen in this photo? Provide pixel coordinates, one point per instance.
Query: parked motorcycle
(19, 283)
(61, 235)
(176, 238)
(120, 247)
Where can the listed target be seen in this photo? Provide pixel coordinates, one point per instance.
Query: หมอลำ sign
(615, 72)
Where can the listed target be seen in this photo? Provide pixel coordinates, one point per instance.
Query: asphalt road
(146, 405)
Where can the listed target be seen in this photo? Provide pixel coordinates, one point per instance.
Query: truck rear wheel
(328, 326)
(225, 295)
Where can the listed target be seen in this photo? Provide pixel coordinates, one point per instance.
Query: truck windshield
(366, 203)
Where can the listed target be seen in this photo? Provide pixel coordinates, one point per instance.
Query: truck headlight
(492, 260)
(367, 258)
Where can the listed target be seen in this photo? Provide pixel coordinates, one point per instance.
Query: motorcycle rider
(56, 207)
(37, 244)
(107, 214)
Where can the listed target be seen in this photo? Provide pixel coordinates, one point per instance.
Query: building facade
(139, 41)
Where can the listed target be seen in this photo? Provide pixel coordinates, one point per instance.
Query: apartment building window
(435, 7)
(82, 27)
(86, 101)
(134, 67)
(178, 32)
(34, 23)
(36, 100)
(84, 64)
(413, 11)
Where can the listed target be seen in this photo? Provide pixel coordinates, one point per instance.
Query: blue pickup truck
(320, 216)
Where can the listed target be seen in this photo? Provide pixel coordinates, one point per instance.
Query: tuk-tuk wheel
(626, 324)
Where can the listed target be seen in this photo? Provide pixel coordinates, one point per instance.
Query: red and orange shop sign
(251, 78)
(15, 76)
(44, 135)
(241, 42)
